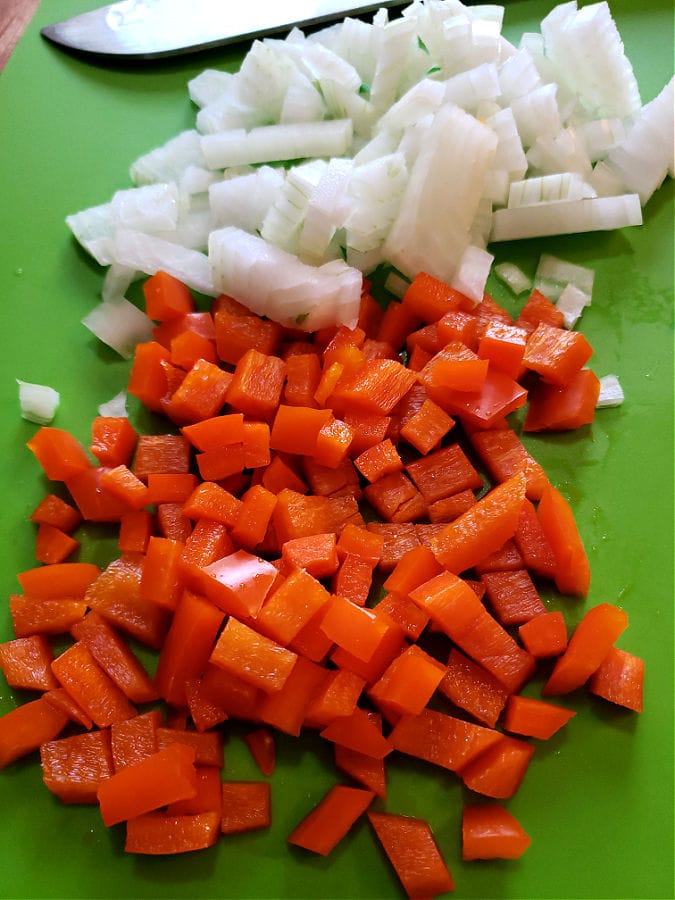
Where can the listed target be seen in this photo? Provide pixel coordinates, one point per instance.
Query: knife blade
(147, 29)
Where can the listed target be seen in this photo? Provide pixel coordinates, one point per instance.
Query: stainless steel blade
(145, 29)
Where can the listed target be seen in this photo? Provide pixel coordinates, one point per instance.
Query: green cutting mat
(598, 799)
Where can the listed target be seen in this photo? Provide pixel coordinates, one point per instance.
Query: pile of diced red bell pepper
(315, 507)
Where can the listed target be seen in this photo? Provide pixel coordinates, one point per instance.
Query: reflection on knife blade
(146, 29)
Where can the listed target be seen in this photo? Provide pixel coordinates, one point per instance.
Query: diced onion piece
(323, 64)
(497, 186)
(611, 392)
(431, 230)
(150, 208)
(513, 276)
(208, 86)
(117, 281)
(277, 142)
(550, 268)
(227, 111)
(284, 219)
(509, 154)
(302, 102)
(418, 101)
(375, 190)
(563, 152)
(326, 210)
(116, 406)
(571, 304)
(354, 40)
(263, 78)
(472, 272)
(92, 228)
(605, 181)
(566, 217)
(396, 284)
(468, 89)
(196, 180)
(548, 188)
(244, 199)
(396, 40)
(120, 325)
(600, 135)
(587, 51)
(642, 161)
(166, 163)
(148, 253)
(518, 75)
(537, 114)
(276, 284)
(38, 402)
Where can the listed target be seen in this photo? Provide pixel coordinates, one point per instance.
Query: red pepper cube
(619, 679)
(238, 331)
(166, 297)
(427, 427)
(201, 393)
(442, 739)
(379, 460)
(490, 832)
(292, 605)
(246, 806)
(503, 454)
(161, 582)
(325, 826)
(356, 629)
(91, 687)
(455, 368)
(26, 727)
(408, 683)
(238, 583)
(473, 689)
(556, 353)
(499, 770)
(161, 453)
(535, 718)
(430, 298)
(54, 511)
(286, 708)
(413, 853)
(74, 767)
(165, 777)
(295, 429)
(555, 407)
(545, 635)
(457, 610)
(257, 384)
(113, 440)
(504, 346)
(253, 658)
(59, 453)
(52, 545)
(26, 663)
(333, 442)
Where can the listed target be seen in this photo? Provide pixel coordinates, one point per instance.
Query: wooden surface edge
(14, 18)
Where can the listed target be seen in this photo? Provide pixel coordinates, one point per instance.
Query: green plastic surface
(598, 798)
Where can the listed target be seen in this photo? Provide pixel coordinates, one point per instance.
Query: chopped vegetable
(491, 832)
(254, 580)
(38, 402)
(434, 137)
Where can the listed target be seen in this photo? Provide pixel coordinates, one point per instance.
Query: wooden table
(14, 17)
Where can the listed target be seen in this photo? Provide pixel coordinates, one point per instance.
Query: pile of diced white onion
(415, 141)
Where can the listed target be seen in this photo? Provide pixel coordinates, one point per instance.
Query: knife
(146, 29)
